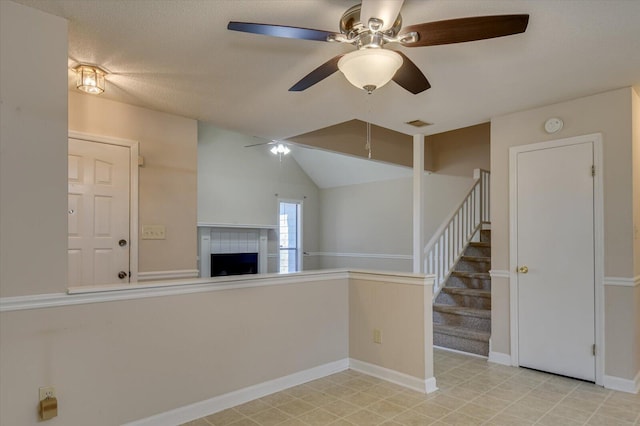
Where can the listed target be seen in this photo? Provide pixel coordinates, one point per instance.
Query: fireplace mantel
(235, 225)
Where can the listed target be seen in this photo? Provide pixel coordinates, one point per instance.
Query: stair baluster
(450, 240)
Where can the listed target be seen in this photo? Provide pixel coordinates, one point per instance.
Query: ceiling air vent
(418, 123)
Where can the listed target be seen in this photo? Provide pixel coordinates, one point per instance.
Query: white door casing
(103, 180)
(556, 231)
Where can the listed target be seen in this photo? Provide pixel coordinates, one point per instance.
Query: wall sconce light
(90, 79)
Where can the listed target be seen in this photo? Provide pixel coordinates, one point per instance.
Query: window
(290, 225)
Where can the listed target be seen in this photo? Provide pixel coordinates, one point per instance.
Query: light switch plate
(153, 232)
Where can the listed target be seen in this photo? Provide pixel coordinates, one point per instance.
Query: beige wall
(460, 151)
(398, 311)
(622, 331)
(33, 161)
(456, 152)
(116, 362)
(167, 181)
(608, 113)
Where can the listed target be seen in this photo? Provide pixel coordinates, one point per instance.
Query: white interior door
(555, 242)
(98, 243)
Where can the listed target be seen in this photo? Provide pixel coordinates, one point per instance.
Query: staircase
(462, 309)
(459, 257)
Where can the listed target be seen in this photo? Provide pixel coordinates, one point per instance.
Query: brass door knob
(523, 269)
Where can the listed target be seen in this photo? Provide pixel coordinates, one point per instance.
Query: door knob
(122, 243)
(523, 269)
(122, 275)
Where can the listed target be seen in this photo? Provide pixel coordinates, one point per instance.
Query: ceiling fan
(372, 25)
(278, 147)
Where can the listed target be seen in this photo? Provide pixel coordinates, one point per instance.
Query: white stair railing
(454, 235)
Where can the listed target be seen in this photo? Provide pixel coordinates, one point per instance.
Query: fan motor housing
(351, 26)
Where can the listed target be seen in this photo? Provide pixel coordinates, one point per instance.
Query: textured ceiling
(177, 56)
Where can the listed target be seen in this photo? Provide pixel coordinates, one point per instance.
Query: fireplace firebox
(234, 264)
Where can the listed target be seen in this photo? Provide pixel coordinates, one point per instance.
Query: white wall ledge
(116, 292)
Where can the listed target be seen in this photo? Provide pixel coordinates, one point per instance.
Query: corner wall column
(418, 203)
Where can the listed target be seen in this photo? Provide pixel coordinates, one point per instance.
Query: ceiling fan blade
(410, 77)
(386, 10)
(466, 29)
(319, 74)
(259, 144)
(279, 31)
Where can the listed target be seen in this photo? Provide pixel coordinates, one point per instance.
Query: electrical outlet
(47, 392)
(153, 232)
(377, 336)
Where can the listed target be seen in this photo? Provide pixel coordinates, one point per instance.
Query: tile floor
(472, 392)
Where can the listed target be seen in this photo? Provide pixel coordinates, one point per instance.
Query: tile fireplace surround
(232, 238)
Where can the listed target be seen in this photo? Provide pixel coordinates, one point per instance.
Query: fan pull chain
(368, 145)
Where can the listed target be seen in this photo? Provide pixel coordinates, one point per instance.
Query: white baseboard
(623, 385)
(231, 399)
(455, 351)
(402, 379)
(499, 358)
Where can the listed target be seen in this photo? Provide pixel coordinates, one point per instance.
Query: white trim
(499, 273)
(623, 385)
(455, 351)
(598, 211)
(362, 255)
(410, 279)
(114, 292)
(234, 225)
(393, 376)
(622, 282)
(168, 275)
(499, 358)
(134, 153)
(418, 203)
(240, 396)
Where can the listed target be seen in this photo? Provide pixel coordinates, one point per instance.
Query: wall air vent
(418, 123)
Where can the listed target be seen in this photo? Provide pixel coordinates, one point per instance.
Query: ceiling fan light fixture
(90, 79)
(280, 149)
(367, 68)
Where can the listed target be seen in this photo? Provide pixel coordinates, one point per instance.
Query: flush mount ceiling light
(370, 68)
(280, 149)
(90, 79)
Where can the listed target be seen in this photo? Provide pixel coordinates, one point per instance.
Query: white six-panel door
(98, 243)
(555, 260)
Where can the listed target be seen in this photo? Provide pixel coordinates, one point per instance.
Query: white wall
(33, 147)
(242, 186)
(370, 225)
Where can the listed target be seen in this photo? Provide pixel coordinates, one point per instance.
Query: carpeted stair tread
(461, 332)
(469, 274)
(480, 244)
(467, 292)
(462, 310)
(483, 259)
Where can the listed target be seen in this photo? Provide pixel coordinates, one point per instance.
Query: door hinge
(593, 170)
(594, 349)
